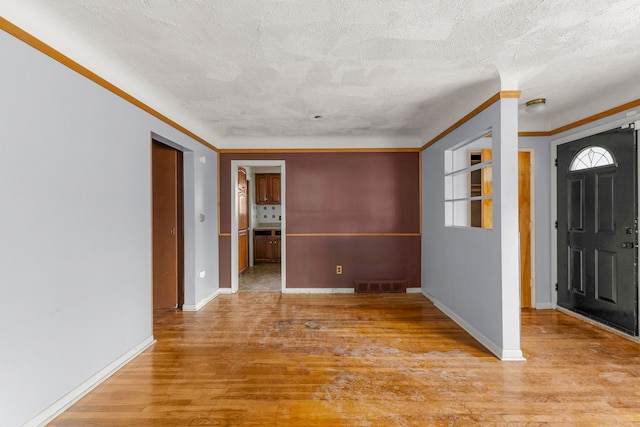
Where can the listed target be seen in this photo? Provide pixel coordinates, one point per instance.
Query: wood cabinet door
(262, 189)
(276, 248)
(262, 248)
(274, 185)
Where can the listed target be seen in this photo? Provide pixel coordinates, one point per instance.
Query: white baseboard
(318, 291)
(206, 300)
(504, 355)
(544, 306)
(414, 290)
(76, 394)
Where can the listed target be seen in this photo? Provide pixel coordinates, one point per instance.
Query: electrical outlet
(338, 269)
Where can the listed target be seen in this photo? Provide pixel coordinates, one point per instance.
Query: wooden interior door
(486, 189)
(167, 226)
(524, 217)
(243, 220)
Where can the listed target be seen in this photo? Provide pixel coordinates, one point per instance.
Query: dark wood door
(597, 228)
(167, 226)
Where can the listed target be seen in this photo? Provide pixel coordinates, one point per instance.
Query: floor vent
(380, 286)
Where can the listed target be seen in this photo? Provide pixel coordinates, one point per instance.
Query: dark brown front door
(597, 228)
(167, 226)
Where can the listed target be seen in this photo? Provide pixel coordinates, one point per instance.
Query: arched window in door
(592, 157)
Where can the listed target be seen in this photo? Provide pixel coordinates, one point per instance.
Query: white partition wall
(75, 252)
(472, 274)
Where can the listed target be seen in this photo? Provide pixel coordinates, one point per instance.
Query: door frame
(235, 164)
(630, 118)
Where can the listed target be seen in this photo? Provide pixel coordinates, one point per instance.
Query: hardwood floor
(267, 359)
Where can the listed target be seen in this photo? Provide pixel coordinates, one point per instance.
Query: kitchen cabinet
(266, 245)
(267, 188)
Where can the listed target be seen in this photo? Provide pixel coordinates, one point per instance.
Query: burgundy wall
(330, 193)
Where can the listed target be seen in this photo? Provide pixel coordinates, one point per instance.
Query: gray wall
(75, 253)
(472, 273)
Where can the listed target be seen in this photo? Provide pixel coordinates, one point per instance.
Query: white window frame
(457, 197)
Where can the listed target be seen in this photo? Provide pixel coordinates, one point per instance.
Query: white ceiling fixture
(399, 72)
(536, 105)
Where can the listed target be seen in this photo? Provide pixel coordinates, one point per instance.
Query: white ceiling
(379, 72)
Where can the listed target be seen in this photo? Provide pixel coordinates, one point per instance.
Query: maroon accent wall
(361, 257)
(341, 193)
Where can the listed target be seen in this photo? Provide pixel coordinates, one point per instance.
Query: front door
(597, 228)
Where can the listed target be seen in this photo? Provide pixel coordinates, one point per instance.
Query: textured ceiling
(397, 71)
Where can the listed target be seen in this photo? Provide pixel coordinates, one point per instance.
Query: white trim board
(503, 355)
(204, 301)
(50, 413)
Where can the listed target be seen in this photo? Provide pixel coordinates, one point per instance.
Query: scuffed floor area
(267, 359)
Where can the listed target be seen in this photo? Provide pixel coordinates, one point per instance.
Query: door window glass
(592, 157)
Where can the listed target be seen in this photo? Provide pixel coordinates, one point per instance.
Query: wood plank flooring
(266, 359)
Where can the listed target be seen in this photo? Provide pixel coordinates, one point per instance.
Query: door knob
(628, 245)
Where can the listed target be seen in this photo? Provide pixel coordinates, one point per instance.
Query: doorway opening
(258, 223)
(167, 226)
(481, 213)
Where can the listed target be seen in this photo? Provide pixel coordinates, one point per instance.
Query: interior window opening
(469, 184)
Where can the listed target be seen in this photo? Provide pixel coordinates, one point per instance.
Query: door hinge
(556, 287)
(555, 162)
(556, 225)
